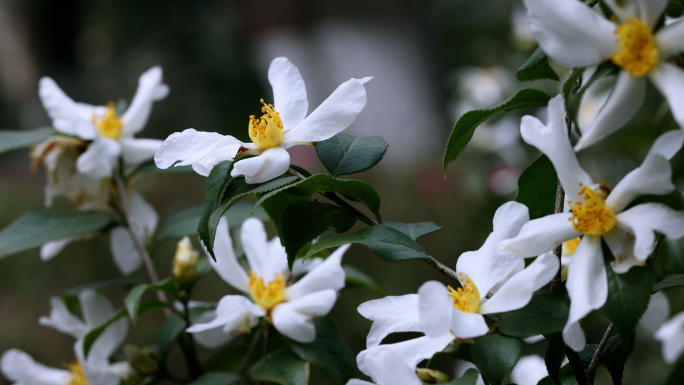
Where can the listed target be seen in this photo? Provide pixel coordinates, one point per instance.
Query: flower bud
(431, 376)
(185, 262)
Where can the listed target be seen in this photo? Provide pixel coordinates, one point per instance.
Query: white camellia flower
(111, 134)
(290, 307)
(671, 335)
(283, 125)
(628, 233)
(573, 34)
(20, 368)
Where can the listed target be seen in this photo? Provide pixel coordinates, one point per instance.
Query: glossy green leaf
(169, 332)
(536, 67)
(669, 281)
(544, 314)
(414, 230)
(613, 357)
(465, 126)
(554, 356)
(346, 154)
(566, 375)
(276, 205)
(537, 188)
(468, 378)
(39, 226)
(281, 367)
(216, 378)
(495, 355)
(386, 242)
(216, 183)
(133, 298)
(354, 276)
(12, 140)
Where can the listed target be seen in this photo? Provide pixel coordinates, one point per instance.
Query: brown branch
(591, 370)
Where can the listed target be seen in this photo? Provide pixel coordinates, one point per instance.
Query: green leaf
(302, 222)
(386, 242)
(414, 230)
(567, 377)
(536, 67)
(465, 126)
(544, 314)
(468, 378)
(39, 226)
(181, 224)
(217, 378)
(169, 332)
(613, 357)
(132, 300)
(240, 211)
(495, 356)
(669, 281)
(276, 205)
(346, 154)
(216, 183)
(677, 373)
(329, 352)
(12, 140)
(555, 354)
(537, 188)
(354, 276)
(281, 367)
(457, 349)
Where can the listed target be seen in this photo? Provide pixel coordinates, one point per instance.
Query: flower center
(267, 296)
(570, 246)
(466, 298)
(109, 124)
(592, 217)
(76, 376)
(267, 131)
(637, 51)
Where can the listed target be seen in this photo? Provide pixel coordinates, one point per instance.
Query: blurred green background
(431, 61)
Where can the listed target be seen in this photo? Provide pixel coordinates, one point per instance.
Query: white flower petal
(656, 313)
(669, 39)
(61, 319)
(335, 114)
(587, 285)
(654, 176)
(621, 245)
(20, 368)
(136, 151)
(642, 220)
(391, 315)
(573, 336)
(622, 103)
(96, 310)
(68, 117)
(100, 159)
(150, 89)
(294, 319)
(270, 164)
(671, 335)
(124, 252)
(355, 381)
(651, 10)
(211, 338)
(289, 92)
(436, 309)
(143, 214)
(529, 370)
(254, 242)
(277, 259)
(202, 150)
(386, 368)
(415, 350)
(539, 236)
(50, 249)
(327, 275)
(468, 325)
(517, 291)
(668, 144)
(669, 79)
(226, 264)
(301, 267)
(570, 32)
(552, 139)
(233, 313)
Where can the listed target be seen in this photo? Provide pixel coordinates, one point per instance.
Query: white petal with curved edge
(335, 114)
(289, 92)
(301, 267)
(587, 286)
(210, 338)
(192, 147)
(552, 139)
(623, 9)
(226, 264)
(136, 151)
(570, 32)
(669, 39)
(233, 313)
(294, 319)
(50, 249)
(642, 220)
(435, 309)
(671, 335)
(61, 319)
(68, 117)
(468, 325)
(355, 381)
(270, 164)
(143, 214)
(96, 310)
(669, 79)
(415, 350)
(623, 102)
(529, 370)
(20, 368)
(277, 258)
(124, 252)
(517, 291)
(539, 236)
(327, 275)
(656, 313)
(386, 368)
(668, 144)
(391, 314)
(621, 245)
(100, 159)
(254, 242)
(654, 176)
(650, 11)
(150, 89)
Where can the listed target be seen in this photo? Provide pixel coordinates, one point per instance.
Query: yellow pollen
(76, 375)
(637, 52)
(592, 217)
(267, 296)
(109, 124)
(466, 298)
(570, 246)
(267, 131)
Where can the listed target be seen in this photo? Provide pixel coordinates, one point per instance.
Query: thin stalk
(591, 370)
(189, 350)
(250, 350)
(576, 365)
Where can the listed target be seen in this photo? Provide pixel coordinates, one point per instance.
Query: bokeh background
(431, 62)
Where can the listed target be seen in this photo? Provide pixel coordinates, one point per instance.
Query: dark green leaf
(571, 81)
(613, 356)
(216, 378)
(386, 242)
(567, 377)
(302, 222)
(495, 356)
(240, 211)
(669, 281)
(276, 205)
(536, 67)
(169, 332)
(183, 223)
(457, 349)
(12, 140)
(132, 301)
(346, 154)
(468, 378)
(544, 314)
(281, 367)
(39, 226)
(414, 230)
(537, 188)
(213, 191)
(354, 276)
(555, 354)
(465, 126)
(677, 373)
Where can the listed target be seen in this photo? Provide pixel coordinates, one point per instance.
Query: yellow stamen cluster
(267, 132)
(266, 296)
(637, 52)
(570, 246)
(109, 124)
(465, 298)
(76, 375)
(592, 217)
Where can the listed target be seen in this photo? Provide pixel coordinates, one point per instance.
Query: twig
(591, 370)
(576, 365)
(560, 198)
(189, 350)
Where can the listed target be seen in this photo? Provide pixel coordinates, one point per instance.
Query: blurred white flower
(671, 335)
(656, 313)
(529, 370)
